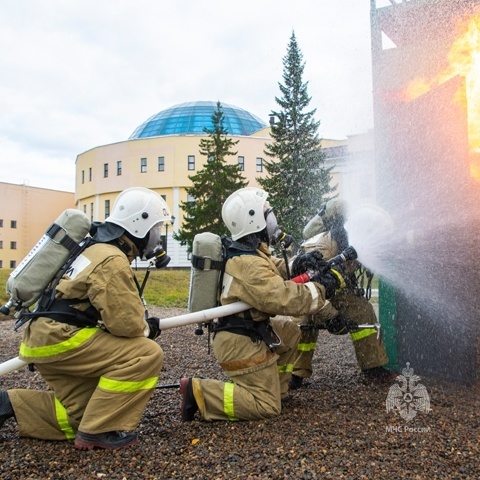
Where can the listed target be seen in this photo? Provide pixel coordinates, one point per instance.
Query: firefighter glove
(332, 280)
(308, 261)
(337, 325)
(154, 326)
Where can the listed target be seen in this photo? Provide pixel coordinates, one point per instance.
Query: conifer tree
(211, 185)
(297, 179)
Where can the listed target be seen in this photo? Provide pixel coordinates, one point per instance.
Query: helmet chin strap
(127, 246)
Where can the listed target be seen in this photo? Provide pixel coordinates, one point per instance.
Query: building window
(13, 245)
(259, 164)
(1, 243)
(119, 167)
(13, 224)
(143, 165)
(164, 197)
(91, 212)
(1, 263)
(83, 176)
(85, 209)
(90, 174)
(1, 223)
(191, 162)
(241, 163)
(13, 263)
(161, 164)
(107, 208)
(105, 170)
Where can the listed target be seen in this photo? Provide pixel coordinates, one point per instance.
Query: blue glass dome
(193, 117)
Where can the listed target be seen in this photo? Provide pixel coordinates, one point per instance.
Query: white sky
(76, 74)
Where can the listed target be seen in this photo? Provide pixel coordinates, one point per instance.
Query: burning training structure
(426, 89)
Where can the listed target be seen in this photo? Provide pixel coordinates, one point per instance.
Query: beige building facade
(25, 214)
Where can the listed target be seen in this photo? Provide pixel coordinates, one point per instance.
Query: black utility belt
(61, 311)
(256, 330)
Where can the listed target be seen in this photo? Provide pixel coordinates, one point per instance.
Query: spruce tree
(211, 185)
(297, 179)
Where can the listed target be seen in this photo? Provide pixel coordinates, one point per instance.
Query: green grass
(164, 288)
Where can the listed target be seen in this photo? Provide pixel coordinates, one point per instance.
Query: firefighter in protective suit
(253, 349)
(325, 233)
(94, 347)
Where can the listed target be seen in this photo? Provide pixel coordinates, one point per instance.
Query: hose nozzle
(348, 254)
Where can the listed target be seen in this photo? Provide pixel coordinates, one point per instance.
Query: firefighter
(325, 233)
(95, 347)
(253, 349)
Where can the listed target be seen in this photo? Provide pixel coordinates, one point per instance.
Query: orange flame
(464, 60)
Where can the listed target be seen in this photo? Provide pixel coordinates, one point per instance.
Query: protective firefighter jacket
(358, 309)
(100, 380)
(259, 376)
(103, 276)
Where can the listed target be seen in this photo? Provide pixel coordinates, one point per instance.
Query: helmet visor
(272, 226)
(154, 239)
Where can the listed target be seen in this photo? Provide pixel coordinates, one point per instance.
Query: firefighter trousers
(102, 387)
(369, 352)
(259, 377)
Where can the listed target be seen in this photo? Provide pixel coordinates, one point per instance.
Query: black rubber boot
(107, 440)
(6, 409)
(189, 405)
(295, 382)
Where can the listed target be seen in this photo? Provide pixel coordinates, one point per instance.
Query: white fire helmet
(243, 212)
(335, 210)
(139, 209)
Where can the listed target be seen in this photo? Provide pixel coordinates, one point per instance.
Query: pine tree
(297, 180)
(211, 185)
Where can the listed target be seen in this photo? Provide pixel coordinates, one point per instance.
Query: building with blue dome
(192, 117)
(161, 154)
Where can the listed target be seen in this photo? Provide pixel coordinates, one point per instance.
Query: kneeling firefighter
(254, 350)
(325, 236)
(94, 346)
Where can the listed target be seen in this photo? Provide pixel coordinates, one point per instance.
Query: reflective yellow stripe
(62, 420)
(62, 347)
(127, 387)
(306, 347)
(228, 407)
(341, 280)
(355, 336)
(288, 368)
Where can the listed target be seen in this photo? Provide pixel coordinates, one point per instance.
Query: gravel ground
(337, 427)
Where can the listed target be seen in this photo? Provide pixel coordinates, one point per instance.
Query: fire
(464, 60)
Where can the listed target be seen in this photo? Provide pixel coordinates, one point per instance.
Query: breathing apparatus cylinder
(207, 266)
(28, 281)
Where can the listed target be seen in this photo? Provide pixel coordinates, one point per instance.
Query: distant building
(353, 165)
(25, 213)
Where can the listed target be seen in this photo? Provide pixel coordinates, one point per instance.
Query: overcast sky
(76, 74)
